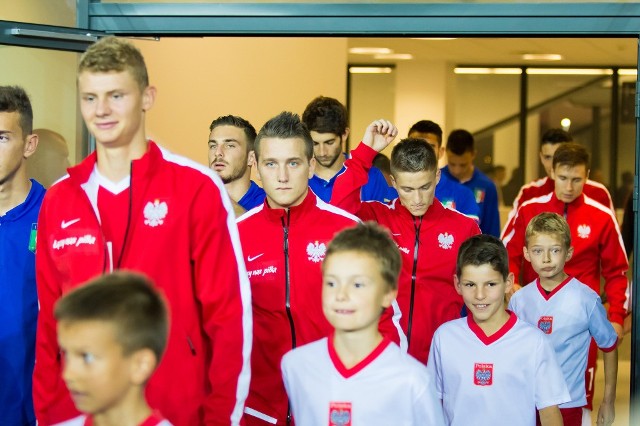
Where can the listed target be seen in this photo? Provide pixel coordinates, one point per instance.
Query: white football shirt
(388, 387)
(570, 315)
(498, 379)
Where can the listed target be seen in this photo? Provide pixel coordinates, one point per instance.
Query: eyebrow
(224, 140)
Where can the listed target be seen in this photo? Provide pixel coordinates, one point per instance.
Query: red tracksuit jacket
(182, 234)
(283, 252)
(598, 247)
(441, 232)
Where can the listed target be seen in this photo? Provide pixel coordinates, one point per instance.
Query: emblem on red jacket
(445, 240)
(155, 213)
(316, 251)
(584, 231)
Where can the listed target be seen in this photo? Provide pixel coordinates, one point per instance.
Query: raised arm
(346, 191)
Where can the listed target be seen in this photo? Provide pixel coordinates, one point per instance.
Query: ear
(389, 297)
(312, 167)
(456, 284)
(393, 182)
(525, 252)
(31, 143)
(437, 174)
(569, 254)
(143, 363)
(508, 288)
(345, 136)
(148, 98)
(553, 171)
(251, 158)
(440, 152)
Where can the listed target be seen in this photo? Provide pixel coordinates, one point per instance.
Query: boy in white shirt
(356, 377)
(492, 368)
(570, 313)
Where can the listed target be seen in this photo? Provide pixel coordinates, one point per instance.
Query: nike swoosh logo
(67, 224)
(251, 259)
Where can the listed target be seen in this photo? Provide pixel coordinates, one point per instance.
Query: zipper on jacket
(191, 347)
(287, 294)
(126, 231)
(416, 226)
(566, 209)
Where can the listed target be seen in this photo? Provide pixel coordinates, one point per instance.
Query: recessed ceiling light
(542, 57)
(370, 50)
(399, 56)
(370, 70)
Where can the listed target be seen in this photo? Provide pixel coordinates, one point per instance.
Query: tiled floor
(622, 396)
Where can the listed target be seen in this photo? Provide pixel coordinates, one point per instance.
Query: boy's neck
(114, 163)
(132, 410)
(239, 187)
(495, 323)
(353, 347)
(550, 284)
(14, 192)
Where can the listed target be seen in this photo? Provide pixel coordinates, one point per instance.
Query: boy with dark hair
(569, 312)
(231, 155)
(492, 355)
(112, 333)
(461, 152)
(133, 205)
(551, 140)
(427, 234)
(20, 200)
(284, 241)
(359, 377)
(326, 118)
(449, 192)
(598, 250)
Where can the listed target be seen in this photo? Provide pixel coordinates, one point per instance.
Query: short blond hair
(115, 54)
(550, 224)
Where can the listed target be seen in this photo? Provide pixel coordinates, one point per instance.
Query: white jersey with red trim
(497, 379)
(570, 315)
(388, 387)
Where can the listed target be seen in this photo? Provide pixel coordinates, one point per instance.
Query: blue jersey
(19, 313)
(376, 188)
(253, 198)
(486, 195)
(456, 196)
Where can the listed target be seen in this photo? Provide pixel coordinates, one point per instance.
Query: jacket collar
(145, 164)
(433, 213)
(276, 215)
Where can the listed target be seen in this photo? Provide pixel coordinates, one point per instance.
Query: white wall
(199, 79)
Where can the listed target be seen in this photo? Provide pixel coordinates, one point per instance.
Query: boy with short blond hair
(112, 333)
(569, 312)
(491, 367)
(359, 377)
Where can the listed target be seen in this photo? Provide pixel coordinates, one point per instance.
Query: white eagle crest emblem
(445, 240)
(584, 231)
(316, 251)
(154, 213)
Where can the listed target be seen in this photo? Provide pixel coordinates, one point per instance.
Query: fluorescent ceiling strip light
(469, 70)
(569, 71)
(397, 56)
(541, 57)
(626, 71)
(370, 70)
(370, 50)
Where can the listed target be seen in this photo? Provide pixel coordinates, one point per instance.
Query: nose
(102, 107)
(283, 174)
(480, 293)
(546, 257)
(341, 293)
(219, 151)
(322, 149)
(68, 373)
(416, 197)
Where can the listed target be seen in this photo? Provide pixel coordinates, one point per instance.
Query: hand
(619, 331)
(606, 414)
(379, 134)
